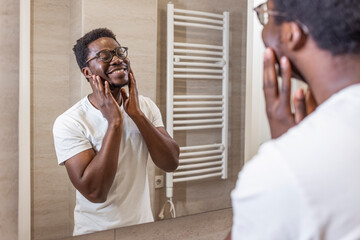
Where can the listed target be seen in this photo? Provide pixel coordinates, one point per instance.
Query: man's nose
(116, 60)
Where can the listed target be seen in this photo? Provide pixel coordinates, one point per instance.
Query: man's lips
(118, 69)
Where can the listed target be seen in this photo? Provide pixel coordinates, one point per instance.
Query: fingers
(93, 83)
(285, 93)
(107, 89)
(299, 105)
(131, 102)
(108, 94)
(124, 95)
(132, 79)
(98, 88)
(132, 84)
(100, 84)
(270, 84)
(310, 101)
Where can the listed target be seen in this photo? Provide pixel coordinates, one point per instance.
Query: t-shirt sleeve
(267, 203)
(69, 139)
(154, 113)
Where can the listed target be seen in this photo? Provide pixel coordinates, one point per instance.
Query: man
(105, 138)
(305, 182)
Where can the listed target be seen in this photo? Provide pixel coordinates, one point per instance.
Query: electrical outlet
(159, 181)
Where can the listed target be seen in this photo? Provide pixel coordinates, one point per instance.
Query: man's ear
(87, 72)
(293, 36)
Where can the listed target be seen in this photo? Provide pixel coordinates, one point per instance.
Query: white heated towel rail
(195, 112)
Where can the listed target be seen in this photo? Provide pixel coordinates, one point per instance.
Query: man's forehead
(103, 43)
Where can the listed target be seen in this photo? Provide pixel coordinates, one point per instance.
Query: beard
(114, 86)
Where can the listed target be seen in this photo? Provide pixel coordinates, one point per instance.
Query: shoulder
(72, 116)
(267, 194)
(266, 171)
(327, 132)
(77, 108)
(145, 100)
(147, 104)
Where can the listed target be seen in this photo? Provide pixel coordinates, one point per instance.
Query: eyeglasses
(107, 55)
(263, 13)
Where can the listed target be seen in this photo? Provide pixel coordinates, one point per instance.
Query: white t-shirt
(83, 127)
(306, 184)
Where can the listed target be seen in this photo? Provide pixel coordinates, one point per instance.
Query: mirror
(57, 84)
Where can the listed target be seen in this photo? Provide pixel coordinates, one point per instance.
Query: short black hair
(81, 49)
(333, 24)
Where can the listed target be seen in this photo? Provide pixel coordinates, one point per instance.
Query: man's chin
(298, 76)
(294, 73)
(115, 85)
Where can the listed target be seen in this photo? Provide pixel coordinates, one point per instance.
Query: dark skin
(93, 173)
(283, 41)
(298, 52)
(300, 57)
(278, 106)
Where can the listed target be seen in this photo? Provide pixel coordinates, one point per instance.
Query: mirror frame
(24, 201)
(256, 127)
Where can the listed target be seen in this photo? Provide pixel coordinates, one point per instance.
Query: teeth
(118, 71)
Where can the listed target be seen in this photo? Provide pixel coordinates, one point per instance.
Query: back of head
(81, 49)
(333, 24)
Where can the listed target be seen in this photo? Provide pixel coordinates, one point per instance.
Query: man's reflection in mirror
(105, 138)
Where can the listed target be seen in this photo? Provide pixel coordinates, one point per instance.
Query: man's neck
(115, 93)
(328, 74)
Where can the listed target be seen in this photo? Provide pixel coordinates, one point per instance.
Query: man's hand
(163, 150)
(106, 103)
(131, 102)
(93, 173)
(278, 107)
(228, 237)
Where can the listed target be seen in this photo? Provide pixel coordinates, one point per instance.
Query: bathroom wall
(210, 194)
(9, 91)
(58, 84)
(51, 96)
